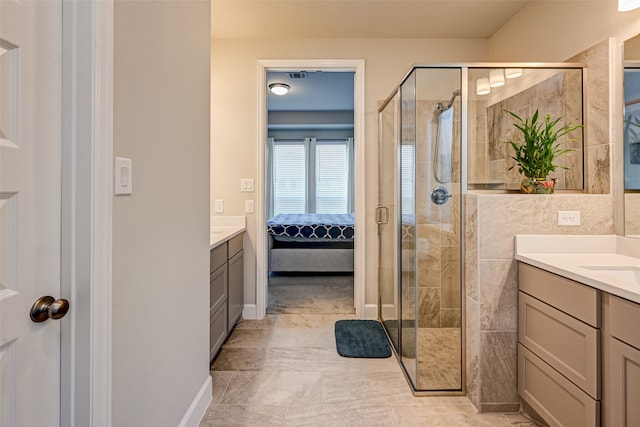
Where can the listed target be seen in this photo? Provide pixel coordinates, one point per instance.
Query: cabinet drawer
(624, 320)
(217, 330)
(556, 399)
(235, 245)
(575, 299)
(217, 257)
(568, 345)
(218, 288)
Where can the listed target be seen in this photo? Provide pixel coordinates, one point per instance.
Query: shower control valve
(440, 195)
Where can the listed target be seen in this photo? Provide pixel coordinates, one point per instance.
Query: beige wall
(160, 233)
(235, 111)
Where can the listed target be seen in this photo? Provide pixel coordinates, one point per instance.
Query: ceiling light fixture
(482, 86)
(279, 88)
(512, 73)
(627, 5)
(496, 78)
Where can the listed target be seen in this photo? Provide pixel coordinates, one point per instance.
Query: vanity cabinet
(226, 290)
(559, 359)
(622, 362)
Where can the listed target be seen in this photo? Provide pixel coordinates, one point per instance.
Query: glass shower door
(388, 291)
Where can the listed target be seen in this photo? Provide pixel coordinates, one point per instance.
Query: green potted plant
(538, 149)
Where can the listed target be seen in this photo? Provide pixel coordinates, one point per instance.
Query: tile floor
(284, 371)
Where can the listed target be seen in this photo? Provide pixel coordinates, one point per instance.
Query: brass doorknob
(48, 308)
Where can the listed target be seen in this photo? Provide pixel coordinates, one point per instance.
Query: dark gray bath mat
(361, 338)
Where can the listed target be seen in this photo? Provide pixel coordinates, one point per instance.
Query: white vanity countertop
(224, 228)
(609, 263)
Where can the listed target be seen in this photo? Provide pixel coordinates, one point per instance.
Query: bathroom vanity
(579, 329)
(226, 283)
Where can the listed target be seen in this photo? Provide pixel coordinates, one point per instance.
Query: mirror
(556, 91)
(631, 135)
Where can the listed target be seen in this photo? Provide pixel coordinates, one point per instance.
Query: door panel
(30, 99)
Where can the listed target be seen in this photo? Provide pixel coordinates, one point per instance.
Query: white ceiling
(360, 18)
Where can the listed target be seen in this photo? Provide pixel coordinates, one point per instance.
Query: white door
(30, 188)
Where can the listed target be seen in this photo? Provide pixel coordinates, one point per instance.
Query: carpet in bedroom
(310, 293)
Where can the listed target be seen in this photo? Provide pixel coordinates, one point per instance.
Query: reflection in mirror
(631, 134)
(556, 91)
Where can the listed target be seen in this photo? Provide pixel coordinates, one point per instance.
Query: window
(310, 176)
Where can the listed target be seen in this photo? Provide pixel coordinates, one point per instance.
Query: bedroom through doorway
(309, 192)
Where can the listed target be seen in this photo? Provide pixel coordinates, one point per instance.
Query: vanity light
(279, 88)
(496, 78)
(482, 86)
(627, 5)
(512, 73)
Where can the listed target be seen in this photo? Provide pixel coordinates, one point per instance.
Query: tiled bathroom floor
(284, 371)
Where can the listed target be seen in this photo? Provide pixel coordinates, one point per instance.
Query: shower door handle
(440, 195)
(382, 215)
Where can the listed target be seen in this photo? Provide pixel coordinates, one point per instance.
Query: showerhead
(442, 108)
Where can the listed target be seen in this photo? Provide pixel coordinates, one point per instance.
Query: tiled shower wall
(492, 221)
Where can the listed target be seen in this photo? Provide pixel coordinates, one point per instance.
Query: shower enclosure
(419, 218)
(442, 133)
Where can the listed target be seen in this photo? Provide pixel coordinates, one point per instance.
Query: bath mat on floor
(361, 338)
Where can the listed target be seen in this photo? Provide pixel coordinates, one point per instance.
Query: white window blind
(311, 176)
(407, 179)
(332, 178)
(289, 178)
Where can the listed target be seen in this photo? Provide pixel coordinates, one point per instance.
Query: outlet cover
(568, 217)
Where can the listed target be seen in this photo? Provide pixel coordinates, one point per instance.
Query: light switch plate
(246, 184)
(123, 174)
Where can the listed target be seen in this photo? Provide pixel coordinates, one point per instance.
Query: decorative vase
(538, 185)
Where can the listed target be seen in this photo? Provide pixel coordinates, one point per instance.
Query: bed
(311, 242)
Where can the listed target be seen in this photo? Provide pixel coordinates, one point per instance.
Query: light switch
(248, 206)
(123, 175)
(246, 184)
(219, 206)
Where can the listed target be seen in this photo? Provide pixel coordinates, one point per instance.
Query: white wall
(235, 111)
(161, 232)
(554, 30)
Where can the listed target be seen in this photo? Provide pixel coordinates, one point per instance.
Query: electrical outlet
(219, 206)
(248, 206)
(568, 217)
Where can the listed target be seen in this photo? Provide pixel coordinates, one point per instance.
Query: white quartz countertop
(225, 228)
(602, 262)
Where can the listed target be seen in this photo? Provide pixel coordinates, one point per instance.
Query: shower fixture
(442, 108)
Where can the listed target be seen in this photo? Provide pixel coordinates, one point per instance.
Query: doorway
(264, 208)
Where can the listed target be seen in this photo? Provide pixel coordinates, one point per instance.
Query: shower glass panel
(425, 172)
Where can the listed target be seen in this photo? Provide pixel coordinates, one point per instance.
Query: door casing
(356, 66)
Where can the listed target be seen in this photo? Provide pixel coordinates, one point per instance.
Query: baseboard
(250, 312)
(370, 311)
(199, 406)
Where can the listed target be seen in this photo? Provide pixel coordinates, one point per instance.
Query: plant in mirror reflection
(541, 144)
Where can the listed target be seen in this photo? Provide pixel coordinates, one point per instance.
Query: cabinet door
(624, 384)
(235, 296)
(218, 288)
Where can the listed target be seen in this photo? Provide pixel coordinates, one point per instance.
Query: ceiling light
(626, 5)
(496, 78)
(482, 86)
(512, 73)
(279, 88)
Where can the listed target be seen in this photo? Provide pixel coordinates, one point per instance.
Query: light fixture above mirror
(627, 5)
(279, 88)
